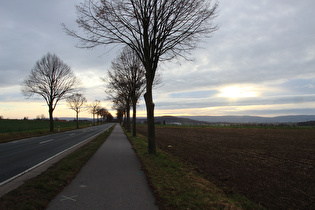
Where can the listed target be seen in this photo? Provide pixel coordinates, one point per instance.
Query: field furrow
(273, 167)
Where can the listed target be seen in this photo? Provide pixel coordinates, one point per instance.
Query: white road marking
(69, 198)
(43, 142)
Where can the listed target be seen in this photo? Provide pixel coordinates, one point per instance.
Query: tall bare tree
(52, 79)
(156, 30)
(126, 79)
(76, 102)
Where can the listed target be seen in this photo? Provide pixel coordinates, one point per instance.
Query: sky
(260, 62)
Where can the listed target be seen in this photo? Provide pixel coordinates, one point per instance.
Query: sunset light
(237, 92)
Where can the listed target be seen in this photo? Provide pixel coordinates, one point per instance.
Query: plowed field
(273, 167)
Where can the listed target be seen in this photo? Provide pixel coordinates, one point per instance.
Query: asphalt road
(21, 155)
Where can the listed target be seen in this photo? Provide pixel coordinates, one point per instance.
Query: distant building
(175, 123)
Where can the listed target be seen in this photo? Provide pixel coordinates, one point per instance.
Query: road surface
(18, 156)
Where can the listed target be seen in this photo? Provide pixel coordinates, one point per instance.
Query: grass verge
(178, 186)
(36, 193)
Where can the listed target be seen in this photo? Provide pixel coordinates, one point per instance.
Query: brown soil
(273, 167)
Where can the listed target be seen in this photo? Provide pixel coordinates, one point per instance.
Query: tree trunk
(150, 120)
(134, 106)
(51, 118)
(128, 118)
(77, 120)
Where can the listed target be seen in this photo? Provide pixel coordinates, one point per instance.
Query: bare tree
(52, 79)
(119, 105)
(103, 113)
(126, 78)
(121, 99)
(40, 117)
(76, 102)
(119, 114)
(156, 30)
(94, 107)
(109, 117)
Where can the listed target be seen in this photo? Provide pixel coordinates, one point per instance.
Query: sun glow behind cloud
(237, 92)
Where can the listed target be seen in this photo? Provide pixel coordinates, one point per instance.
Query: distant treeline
(308, 123)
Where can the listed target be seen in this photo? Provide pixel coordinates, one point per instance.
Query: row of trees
(54, 80)
(155, 30)
(97, 110)
(78, 102)
(126, 84)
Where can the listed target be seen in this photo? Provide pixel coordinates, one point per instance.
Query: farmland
(273, 167)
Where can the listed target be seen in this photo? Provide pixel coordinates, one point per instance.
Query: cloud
(266, 45)
(30, 29)
(194, 94)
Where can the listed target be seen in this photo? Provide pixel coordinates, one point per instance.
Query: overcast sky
(260, 62)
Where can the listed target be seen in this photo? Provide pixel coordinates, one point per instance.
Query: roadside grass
(36, 193)
(11, 130)
(178, 186)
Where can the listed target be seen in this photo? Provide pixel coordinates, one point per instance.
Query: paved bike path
(111, 179)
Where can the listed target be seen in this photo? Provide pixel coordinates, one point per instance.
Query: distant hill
(204, 120)
(254, 119)
(171, 120)
(179, 120)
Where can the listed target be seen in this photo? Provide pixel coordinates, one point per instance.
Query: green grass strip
(178, 186)
(36, 193)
